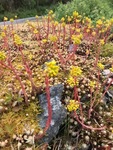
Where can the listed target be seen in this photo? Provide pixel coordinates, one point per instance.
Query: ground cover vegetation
(37, 55)
(94, 9)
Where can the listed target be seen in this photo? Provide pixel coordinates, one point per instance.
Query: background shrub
(94, 9)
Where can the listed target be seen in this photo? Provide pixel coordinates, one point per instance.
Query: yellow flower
(11, 20)
(88, 30)
(53, 38)
(51, 68)
(69, 19)
(87, 52)
(87, 20)
(35, 31)
(111, 69)
(19, 66)
(44, 41)
(93, 33)
(77, 20)
(36, 17)
(16, 17)
(111, 20)
(76, 39)
(78, 30)
(92, 84)
(75, 14)
(3, 34)
(50, 12)
(13, 32)
(75, 71)
(100, 66)
(63, 24)
(55, 23)
(2, 56)
(99, 23)
(72, 82)
(5, 18)
(17, 40)
(62, 19)
(73, 105)
(30, 56)
(102, 42)
(5, 28)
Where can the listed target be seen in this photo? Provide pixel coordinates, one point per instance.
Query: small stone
(14, 136)
(106, 72)
(84, 146)
(30, 140)
(19, 145)
(1, 100)
(1, 108)
(87, 138)
(28, 132)
(28, 148)
(2, 144)
(25, 137)
(6, 141)
(58, 112)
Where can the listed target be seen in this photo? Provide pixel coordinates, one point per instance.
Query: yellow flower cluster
(11, 20)
(5, 28)
(55, 23)
(69, 19)
(99, 23)
(53, 38)
(51, 68)
(2, 56)
(73, 105)
(93, 33)
(75, 71)
(75, 14)
(35, 31)
(100, 66)
(36, 17)
(88, 20)
(5, 18)
(77, 39)
(62, 19)
(102, 42)
(72, 82)
(3, 34)
(50, 12)
(111, 69)
(17, 40)
(16, 17)
(92, 84)
(63, 24)
(44, 40)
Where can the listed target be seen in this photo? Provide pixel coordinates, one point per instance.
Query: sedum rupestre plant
(37, 55)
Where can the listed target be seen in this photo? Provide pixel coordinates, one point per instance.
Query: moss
(15, 121)
(107, 50)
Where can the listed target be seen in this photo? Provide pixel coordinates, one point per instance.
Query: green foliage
(29, 4)
(1, 9)
(107, 50)
(24, 12)
(91, 8)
